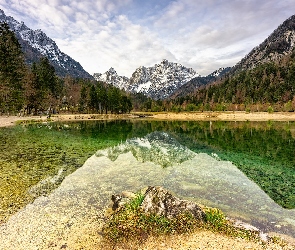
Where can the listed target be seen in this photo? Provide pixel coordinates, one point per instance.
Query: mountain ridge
(36, 44)
(157, 82)
(278, 44)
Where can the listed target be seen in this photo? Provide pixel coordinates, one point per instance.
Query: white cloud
(126, 34)
(120, 44)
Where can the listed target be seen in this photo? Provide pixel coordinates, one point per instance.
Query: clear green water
(35, 158)
(41, 155)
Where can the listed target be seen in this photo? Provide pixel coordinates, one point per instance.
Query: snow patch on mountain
(111, 77)
(157, 82)
(39, 41)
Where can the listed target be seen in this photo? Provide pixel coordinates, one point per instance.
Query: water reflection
(184, 157)
(200, 177)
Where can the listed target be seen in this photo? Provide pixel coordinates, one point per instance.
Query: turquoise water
(193, 159)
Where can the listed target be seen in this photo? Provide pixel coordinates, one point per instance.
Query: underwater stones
(161, 202)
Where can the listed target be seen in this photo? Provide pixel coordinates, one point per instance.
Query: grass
(130, 226)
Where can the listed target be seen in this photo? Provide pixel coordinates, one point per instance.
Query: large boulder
(161, 202)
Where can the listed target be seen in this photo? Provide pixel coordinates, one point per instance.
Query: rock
(242, 225)
(119, 200)
(160, 202)
(116, 199)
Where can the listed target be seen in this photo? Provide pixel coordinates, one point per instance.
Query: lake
(247, 169)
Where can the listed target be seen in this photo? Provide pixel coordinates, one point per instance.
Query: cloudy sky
(126, 34)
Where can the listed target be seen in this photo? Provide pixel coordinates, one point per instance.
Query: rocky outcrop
(280, 43)
(161, 202)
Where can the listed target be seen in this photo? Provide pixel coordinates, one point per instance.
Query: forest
(36, 89)
(268, 87)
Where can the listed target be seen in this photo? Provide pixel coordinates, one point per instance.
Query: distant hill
(36, 44)
(194, 84)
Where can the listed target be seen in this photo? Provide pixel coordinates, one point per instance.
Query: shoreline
(7, 121)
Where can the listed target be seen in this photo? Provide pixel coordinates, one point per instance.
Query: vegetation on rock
(130, 224)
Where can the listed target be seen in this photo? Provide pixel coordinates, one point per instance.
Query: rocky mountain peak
(112, 71)
(36, 44)
(280, 43)
(157, 82)
(111, 77)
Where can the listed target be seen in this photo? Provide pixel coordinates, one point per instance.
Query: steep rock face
(157, 82)
(278, 44)
(36, 44)
(161, 80)
(111, 77)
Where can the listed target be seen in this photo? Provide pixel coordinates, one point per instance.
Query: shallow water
(156, 159)
(192, 159)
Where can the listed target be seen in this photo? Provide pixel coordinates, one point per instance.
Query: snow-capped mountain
(111, 77)
(36, 44)
(157, 82)
(160, 80)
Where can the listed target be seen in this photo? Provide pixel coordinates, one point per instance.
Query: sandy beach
(6, 121)
(227, 116)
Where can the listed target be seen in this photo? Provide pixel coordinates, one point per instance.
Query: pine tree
(12, 71)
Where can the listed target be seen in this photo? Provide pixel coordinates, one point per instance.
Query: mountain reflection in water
(155, 159)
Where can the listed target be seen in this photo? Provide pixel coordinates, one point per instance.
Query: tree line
(267, 87)
(35, 89)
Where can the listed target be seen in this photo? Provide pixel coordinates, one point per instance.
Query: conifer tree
(12, 70)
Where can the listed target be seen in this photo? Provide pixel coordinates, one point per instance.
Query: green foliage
(270, 109)
(99, 98)
(43, 87)
(216, 221)
(191, 107)
(135, 203)
(131, 224)
(12, 70)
